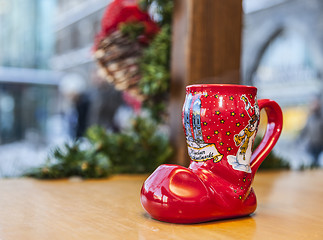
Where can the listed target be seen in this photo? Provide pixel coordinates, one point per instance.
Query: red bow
(126, 11)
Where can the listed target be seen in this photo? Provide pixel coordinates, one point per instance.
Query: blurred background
(282, 55)
(50, 90)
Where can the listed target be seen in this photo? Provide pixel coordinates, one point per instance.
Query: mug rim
(208, 85)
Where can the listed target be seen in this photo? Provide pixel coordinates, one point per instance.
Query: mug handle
(273, 131)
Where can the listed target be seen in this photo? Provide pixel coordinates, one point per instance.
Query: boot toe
(174, 194)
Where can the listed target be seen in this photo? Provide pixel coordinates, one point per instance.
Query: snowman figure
(245, 139)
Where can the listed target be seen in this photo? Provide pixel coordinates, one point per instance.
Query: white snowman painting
(245, 139)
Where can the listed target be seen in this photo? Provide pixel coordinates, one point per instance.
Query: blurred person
(105, 103)
(74, 89)
(312, 133)
(82, 104)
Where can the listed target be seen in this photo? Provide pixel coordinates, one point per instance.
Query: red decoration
(132, 101)
(126, 11)
(220, 122)
(118, 54)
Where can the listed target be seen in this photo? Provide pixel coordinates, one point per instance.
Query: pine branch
(155, 73)
(132, 30)
(138, 150)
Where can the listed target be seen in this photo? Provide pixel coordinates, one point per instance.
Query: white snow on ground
(16, 158)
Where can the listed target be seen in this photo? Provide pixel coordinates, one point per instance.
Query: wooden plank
(206, 49)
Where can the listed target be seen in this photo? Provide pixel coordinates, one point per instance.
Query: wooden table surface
(289, 207)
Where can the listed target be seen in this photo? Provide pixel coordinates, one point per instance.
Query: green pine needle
(132, 30)
(140, 149)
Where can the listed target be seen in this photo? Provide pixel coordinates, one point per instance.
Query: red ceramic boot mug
(220, 122)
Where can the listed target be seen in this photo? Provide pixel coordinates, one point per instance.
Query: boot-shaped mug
(220, 123)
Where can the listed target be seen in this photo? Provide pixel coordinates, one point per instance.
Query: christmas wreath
(133, 50)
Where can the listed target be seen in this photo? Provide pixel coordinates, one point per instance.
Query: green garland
(140, 149)
(155, 62)
(155, 70)
(132, 30)
(73, 160)
(163, 9)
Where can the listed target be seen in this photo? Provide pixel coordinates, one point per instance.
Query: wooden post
(206, 49)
